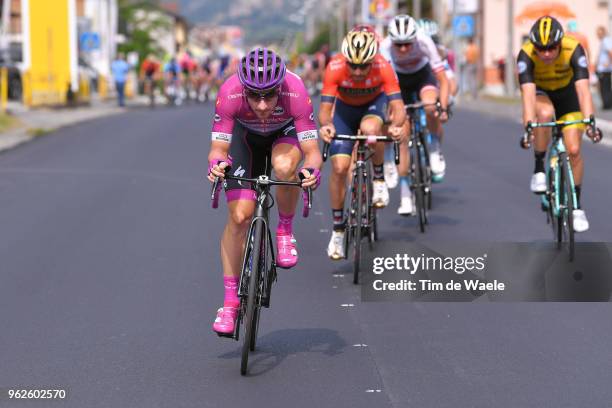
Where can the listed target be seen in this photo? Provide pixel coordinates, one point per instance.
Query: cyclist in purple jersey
(263, 120)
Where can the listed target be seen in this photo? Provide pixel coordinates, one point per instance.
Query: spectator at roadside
(604, 67)
(471, 55)
(120, 69)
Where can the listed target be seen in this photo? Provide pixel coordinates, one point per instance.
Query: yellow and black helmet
(359, 47)
(546, 33)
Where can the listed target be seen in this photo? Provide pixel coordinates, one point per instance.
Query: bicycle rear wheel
(357, 229)
(250, 322)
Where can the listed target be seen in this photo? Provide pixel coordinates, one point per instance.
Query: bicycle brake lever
(325, 151)
(216, 188)
(396, 153)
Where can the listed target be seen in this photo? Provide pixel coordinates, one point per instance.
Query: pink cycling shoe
(226, 320)
(287, 256)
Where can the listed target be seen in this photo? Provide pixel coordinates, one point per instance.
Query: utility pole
(610, 16)
(351, 14)
(340, 26)
(455, 44)
(437, 10)
(416, 9)
(510, 87)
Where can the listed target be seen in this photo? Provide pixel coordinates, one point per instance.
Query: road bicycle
(258, 271)
(361, 216)
(559, 200)
(420, 167)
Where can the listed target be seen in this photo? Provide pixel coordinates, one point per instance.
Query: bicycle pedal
(226, 335)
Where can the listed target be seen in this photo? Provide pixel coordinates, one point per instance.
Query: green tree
(321, 38)
(137, 21)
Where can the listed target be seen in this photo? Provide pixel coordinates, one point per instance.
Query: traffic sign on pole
(463, 26)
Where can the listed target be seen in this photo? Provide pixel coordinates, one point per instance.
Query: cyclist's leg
(241, 205)
(572, 137)
(568, 108)
(545, 112)
(372, 124)
(405, 207)
(286, 156)
(452, 83)
(429, 94)
(346, 121)
(409, 86)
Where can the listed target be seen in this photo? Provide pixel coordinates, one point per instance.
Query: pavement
(37, 122)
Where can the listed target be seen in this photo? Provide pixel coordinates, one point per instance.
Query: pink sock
(231, 291)
(285, 224)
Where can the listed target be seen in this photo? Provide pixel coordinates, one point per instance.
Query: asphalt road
(110, 278)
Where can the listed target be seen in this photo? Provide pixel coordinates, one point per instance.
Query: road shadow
(274, 347)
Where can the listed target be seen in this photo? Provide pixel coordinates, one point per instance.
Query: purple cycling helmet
(261, 70)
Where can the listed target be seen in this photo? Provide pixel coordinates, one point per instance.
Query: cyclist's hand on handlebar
(327, 132)
(310, 177)
(396, 133)
(594, 133)
(443, 115)
(217, 170)
(528, 137)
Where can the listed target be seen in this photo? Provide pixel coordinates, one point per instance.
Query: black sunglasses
(543, 49)
(400, 45)
(362, 67)
(262, 95)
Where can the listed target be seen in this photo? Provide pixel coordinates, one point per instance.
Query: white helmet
(430, 28)
(402, 29)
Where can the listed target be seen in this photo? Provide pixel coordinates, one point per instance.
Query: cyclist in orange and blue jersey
(357, 86)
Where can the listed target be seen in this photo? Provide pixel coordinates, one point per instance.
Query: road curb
(10, 140)
(16, 137)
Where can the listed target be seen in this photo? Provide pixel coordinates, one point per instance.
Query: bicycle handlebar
(263, 181)
(368, 139)
(418, 105)
(525, 141)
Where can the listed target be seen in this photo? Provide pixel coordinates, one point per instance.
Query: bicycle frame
(258, 271)
(556, 151)
(361, 192)
(560, 199)
(420, 167)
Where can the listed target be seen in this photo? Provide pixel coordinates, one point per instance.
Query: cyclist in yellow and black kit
(554, 77)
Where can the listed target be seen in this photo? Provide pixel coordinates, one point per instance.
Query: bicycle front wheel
(372, 224)
(419, 191)
(252, 312)
(357, 231)
(568, 213)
